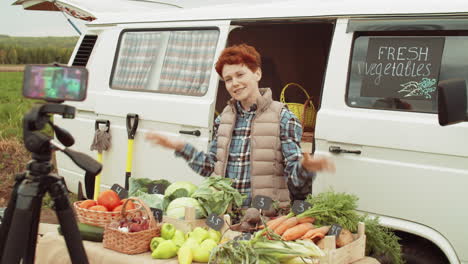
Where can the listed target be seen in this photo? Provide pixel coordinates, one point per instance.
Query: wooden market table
(51, 249)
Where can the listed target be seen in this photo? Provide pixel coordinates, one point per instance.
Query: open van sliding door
(162, 72)
(379, 123)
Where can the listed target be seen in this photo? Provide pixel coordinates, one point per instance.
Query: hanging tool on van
(101, 142)
(132, 125)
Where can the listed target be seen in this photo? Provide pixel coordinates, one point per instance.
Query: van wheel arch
(418, 250)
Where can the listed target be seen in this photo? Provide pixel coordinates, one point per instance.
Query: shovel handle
(132, 127)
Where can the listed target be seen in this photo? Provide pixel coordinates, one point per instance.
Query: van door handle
(196, 133)
(338, 150)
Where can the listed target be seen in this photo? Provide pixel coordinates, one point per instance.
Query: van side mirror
(452, 101)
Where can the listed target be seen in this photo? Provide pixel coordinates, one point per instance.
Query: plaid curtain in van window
(188, 62)
(136, 56)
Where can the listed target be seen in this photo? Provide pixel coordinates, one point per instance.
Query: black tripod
(18, 232)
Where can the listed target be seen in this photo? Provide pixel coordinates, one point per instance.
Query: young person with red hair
(256, 140)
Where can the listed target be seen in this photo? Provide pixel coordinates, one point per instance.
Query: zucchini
(89, 232)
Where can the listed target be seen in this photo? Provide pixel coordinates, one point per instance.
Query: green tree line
(29, 50)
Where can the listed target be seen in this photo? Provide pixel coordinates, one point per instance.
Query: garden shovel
(132, 125)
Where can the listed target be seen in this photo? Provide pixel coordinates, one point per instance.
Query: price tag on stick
(215, 222)
(243, 236)
(156, 188)
(262, 202)
(335, 230)
(120, 191)
(158, 214)
(300, 206)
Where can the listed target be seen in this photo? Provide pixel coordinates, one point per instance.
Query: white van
(371, 68)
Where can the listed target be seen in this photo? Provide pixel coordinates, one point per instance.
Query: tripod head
(41, 146)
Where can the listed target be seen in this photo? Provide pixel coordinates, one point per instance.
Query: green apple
(167, 231)
(165, 250)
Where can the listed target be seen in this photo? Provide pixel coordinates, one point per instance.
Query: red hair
(239, 54)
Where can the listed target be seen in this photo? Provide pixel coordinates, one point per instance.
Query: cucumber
(89, 232)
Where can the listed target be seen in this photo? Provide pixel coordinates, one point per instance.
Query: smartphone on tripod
(18, 231)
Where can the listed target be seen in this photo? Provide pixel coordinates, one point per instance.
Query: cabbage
(176, 209)
(180, 189)
(151, 200)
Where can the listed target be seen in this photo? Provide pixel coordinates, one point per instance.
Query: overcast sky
(15, 21)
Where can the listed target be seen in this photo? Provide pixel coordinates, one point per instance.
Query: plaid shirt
(238, 164)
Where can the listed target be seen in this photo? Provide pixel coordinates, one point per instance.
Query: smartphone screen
(55, 83)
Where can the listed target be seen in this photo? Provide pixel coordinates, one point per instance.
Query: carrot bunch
(291, 228)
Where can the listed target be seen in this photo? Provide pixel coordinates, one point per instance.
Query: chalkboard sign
(401, 67)
(214, 221)
(262, 202)
(156, 188)
(300, 206)
(120, 191)
(157, 213)
(243, 236)
(335, 230)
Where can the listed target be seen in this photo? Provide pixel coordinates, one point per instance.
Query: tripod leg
(6, 221)
(67, 221)
(28, 204)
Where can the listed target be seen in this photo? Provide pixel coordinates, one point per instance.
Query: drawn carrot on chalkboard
(423, 88)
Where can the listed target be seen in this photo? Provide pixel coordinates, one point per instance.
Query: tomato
(98, 208)
(88, 203)
(130, 204)
(109, 199)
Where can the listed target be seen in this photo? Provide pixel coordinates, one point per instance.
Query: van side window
(401, 72)
(175, 62)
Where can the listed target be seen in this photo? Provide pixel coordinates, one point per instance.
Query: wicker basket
(131, 243)
(307, 117)
(98, 218)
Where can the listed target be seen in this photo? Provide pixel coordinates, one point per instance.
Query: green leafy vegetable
(176, 209)
(216, 193)
(151, 200)
(141, 184)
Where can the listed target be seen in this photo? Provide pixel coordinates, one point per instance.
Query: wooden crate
(347, 254)
(190, 222)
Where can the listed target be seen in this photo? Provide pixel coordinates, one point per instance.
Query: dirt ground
(13, 160)
(11, 68)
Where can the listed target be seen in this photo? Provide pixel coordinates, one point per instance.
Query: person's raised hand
(164, 141)
(317, 164)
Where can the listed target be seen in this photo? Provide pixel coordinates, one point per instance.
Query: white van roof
(293, 8)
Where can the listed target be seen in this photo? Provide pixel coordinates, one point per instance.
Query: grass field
(12, 105)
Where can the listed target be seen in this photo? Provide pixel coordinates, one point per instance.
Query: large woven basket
(131, 243)
(307, 117)
(98, 218)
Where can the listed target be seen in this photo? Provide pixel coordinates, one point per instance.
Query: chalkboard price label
(215, 222)
(157, 213)
(300, 206)
(243, 236)
(262, 202)
(156, 188)
(120, 191)
(335, 230)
